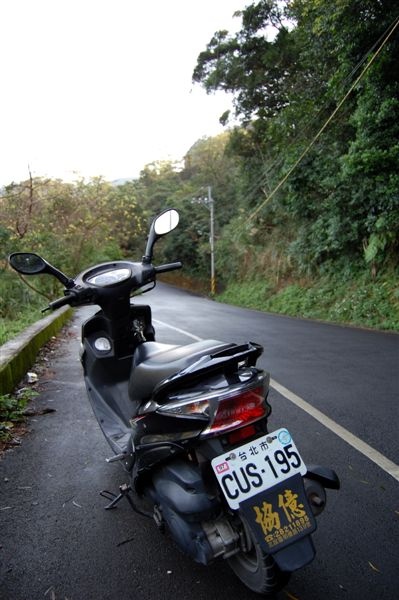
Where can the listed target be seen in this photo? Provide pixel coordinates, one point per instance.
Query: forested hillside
(305, 186)
(317, 91)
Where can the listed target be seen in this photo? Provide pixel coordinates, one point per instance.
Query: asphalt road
(57, 542)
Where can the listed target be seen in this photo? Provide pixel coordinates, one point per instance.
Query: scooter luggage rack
(226, 361)
(124, 492)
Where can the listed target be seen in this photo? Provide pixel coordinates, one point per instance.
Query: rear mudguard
(302, 552)
(296, 556)
(324, 475)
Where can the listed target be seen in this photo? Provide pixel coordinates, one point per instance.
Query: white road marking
(194, 337)
(379, 459)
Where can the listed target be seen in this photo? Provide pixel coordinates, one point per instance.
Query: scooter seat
(154, 362)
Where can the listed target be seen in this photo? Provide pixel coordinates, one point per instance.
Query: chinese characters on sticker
(284, 521)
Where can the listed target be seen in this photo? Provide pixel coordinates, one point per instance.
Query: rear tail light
(224, 409)
(238, 410)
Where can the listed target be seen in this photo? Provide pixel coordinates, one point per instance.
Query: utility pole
(209, 203)
(212, 239)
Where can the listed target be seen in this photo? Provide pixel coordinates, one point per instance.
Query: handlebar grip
(168, 267)
(60, 302)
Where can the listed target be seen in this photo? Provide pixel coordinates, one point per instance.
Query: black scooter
(189, 425)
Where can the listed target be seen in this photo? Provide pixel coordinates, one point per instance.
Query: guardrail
(18, 355)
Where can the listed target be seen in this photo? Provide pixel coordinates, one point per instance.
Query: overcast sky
(103, 87)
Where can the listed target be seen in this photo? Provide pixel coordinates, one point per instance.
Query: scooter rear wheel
(257, 570)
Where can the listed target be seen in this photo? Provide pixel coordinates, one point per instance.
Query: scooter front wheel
(257, 570)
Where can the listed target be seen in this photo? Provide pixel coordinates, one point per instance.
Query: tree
(248, 64)
(340, 198)
(73, 225)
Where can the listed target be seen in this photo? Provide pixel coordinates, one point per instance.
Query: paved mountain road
(57, 542)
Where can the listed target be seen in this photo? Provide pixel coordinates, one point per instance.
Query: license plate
(257, 466)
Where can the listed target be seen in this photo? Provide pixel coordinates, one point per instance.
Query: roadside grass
(12, 415)
(362, 301)
(9, 328)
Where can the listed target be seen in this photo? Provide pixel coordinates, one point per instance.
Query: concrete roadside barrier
(18, 355)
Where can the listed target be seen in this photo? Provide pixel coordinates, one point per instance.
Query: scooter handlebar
(72, 297)
(75, 297)
(58, 303)
(168, 267)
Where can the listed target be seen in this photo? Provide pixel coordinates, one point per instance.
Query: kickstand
(124, 492)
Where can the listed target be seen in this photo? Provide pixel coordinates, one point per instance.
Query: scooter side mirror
(28, 263)
(166, 222)
(162, 224)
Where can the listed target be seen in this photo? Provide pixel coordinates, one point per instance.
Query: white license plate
(257, 466)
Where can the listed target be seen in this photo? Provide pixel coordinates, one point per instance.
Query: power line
(389, 33)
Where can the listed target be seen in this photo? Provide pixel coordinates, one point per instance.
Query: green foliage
(340, 204)
(247, 63)
(360, 301)
(72, 226)
(12, 411)
(252, 294)
(17, 321)
(342, 197)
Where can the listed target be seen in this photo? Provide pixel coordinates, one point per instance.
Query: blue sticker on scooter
(284, 437)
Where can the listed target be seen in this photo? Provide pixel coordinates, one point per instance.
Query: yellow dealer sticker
(281, 515)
